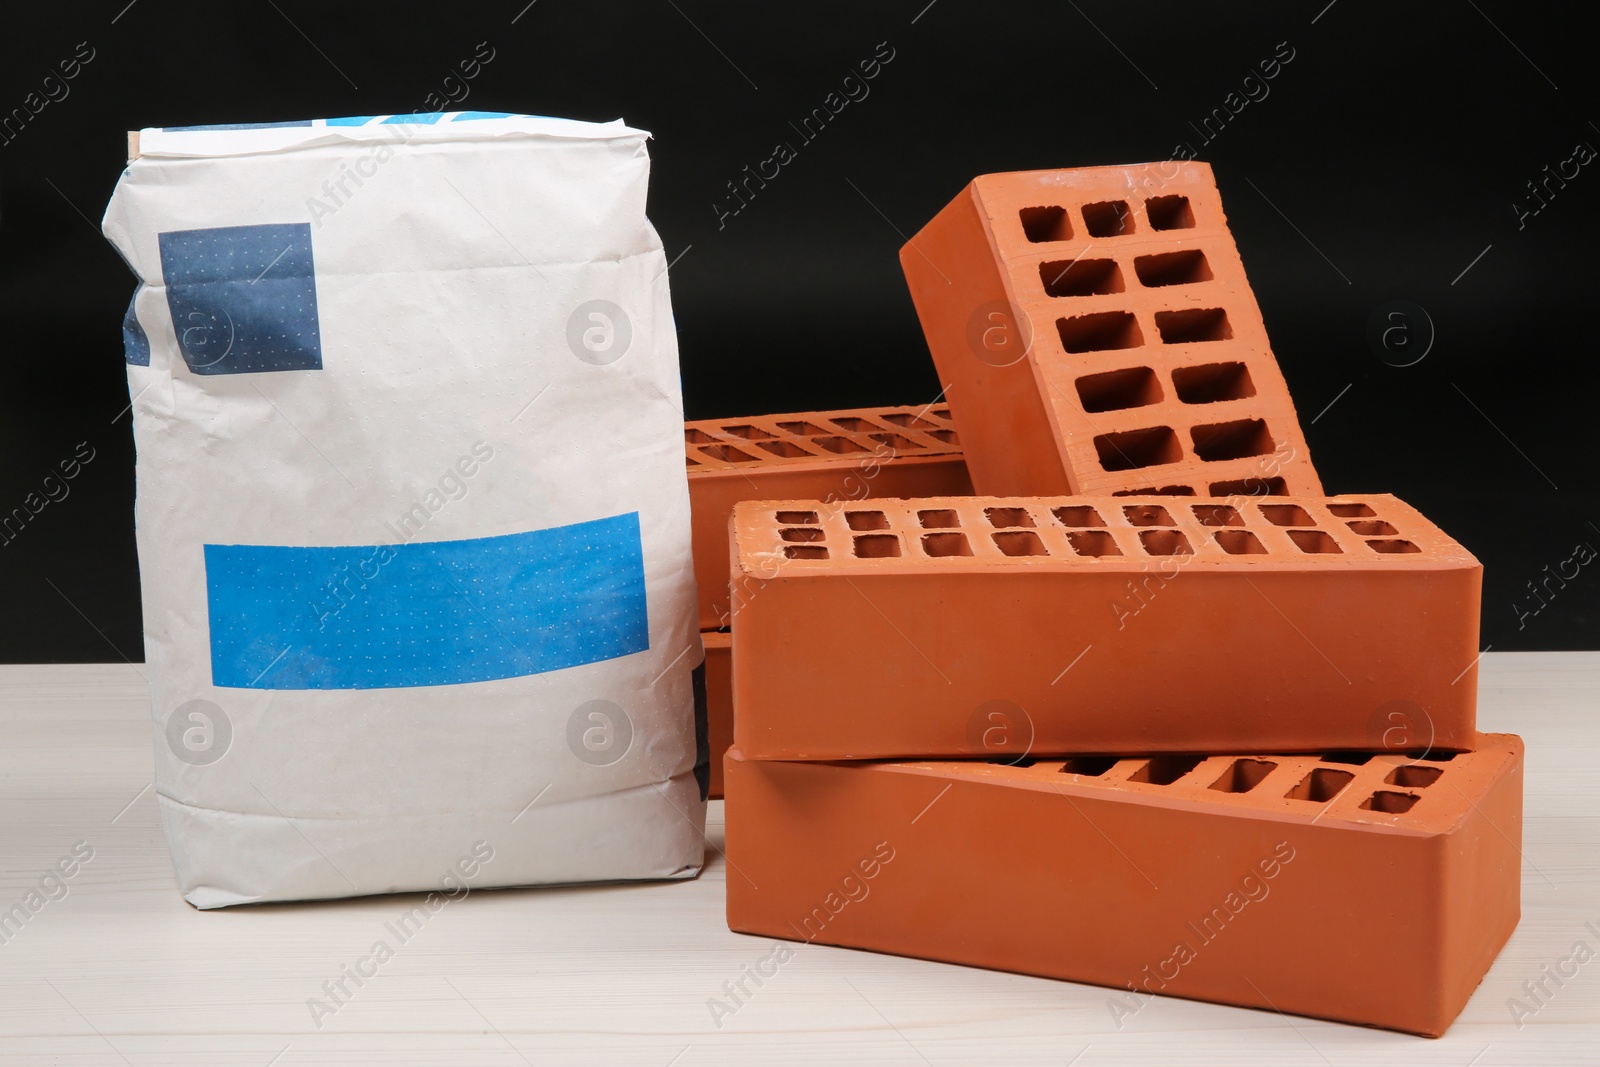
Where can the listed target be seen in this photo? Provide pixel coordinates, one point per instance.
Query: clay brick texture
(821, 455)
(1097, 335)
(719, 701)
(1367, 889)
(956, 626)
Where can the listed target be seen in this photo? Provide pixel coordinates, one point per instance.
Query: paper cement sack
(413, 523)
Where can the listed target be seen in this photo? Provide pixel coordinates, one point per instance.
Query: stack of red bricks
(1149, 710)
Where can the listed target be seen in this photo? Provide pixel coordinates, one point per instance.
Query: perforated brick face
(879, 434)
(1099, 336)
(1271, 881)
(1356, 788)
(823, 455)
(880, 628)
(1126, 532)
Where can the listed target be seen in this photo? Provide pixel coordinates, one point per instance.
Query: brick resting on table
(1371, 889)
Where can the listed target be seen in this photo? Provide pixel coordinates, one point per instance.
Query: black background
(1389, 154)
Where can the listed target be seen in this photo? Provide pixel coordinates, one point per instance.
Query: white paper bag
(413, 522)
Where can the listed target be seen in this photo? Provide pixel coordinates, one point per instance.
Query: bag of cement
(413, 524)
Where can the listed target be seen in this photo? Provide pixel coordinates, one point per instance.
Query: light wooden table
(122, 971)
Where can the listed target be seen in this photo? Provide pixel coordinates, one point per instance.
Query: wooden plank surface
(120, 970)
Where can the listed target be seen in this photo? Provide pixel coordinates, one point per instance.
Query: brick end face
(973, 331)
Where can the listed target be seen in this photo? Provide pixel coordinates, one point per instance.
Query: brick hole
(1042, 224)
(941, 413)
(1390, 803)
(1349, 759)
(946, 544)
(1093, 543)
(786, 449)
(691, 461)
(1013, 761)
(802, 429)
(1433, 757)
(1251, 487)
(1286, 515)
(1232, 440)
(1314, 542)
(1243, 775)
(1352, 511)
(1217, 515)
(1372, 528)
(802, 533)
(1088, 766)
(691, 436)
(1395, 547)
(938, 518)
(1103, 331)
(1192, 325)
(1109, 218)
(727, 454)
(1165, 543)
(1148, 515)
(1003, 517)
(797, 518)
(1165, 490)
(840, 445)
(1172, 268)
(805, 551)
(1164, 770)
(1081, 277)
(1115, 390)
(1414, 777)
(1020, 543)
(1133, 449)
(1077, 515)
(749, 433)
(1211, 383)
(867, 520)
(877, 546)
(1169, 213)
(894, 441)
(1321, 785)
(1240, 543)
(854, 423)
(947, 437)
(908, 420)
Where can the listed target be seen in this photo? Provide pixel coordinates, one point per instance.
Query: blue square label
(243, 298)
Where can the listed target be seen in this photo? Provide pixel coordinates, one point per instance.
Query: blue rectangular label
(426, 613)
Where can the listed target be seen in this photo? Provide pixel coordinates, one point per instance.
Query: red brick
(821, 455)
(1147, 366)
(719, 700)
(1311, 893)
(899, 629)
